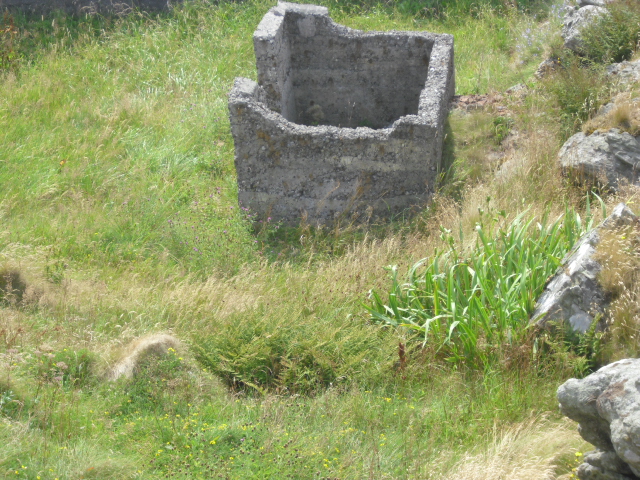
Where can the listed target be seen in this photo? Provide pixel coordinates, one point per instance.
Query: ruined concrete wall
(318, 69)
(84, 6)
(295, 155)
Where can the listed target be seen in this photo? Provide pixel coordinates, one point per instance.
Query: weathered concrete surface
(574, 294)
(341, 122)
(606, 405)
(85, 6)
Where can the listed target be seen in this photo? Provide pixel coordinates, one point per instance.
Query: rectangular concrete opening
(369, 81)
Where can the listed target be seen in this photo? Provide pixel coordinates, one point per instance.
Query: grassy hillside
(119, 219)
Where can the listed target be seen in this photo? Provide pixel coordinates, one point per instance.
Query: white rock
(575, 20)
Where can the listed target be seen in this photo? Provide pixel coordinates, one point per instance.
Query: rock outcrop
(624, 73)
(606, 405)
(577, 18)
(602, 158)
(574, 294)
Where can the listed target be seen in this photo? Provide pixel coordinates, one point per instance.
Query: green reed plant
(468, 305)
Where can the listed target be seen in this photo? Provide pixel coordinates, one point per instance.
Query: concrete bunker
(340, 122)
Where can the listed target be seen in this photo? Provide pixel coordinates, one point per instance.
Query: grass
(472, 304)
(119, 216)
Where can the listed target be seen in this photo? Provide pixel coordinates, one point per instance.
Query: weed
(502, 128)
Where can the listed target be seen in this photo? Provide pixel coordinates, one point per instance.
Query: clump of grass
(12, 286)
(625, 116)
(509, 455)
(293, 354)
(618, 255)
(579, 89)
(613, 37)
(163, 382)
(469, 304)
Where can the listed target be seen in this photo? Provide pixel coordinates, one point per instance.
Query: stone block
(341, 122)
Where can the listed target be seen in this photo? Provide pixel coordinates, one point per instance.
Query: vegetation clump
(471, 304)
(12, 285)
(614, 37)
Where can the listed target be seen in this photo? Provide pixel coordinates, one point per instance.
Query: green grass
(119, 215)
(472, 304)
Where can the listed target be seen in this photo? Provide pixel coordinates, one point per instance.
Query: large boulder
(574, 295)
(575, 20)
(603, 158)
(606, 405)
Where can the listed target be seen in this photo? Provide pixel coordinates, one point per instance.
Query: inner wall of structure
(364, 80)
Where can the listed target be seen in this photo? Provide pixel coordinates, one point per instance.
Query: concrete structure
(84, 6)
(341, 122)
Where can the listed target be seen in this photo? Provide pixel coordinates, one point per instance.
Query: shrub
(72, 368)
(469, 306)
(614, 37)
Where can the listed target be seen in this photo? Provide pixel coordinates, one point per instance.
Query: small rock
(595, 3)
(546, 67)
(519, 90)
(624, 72)
(139, 349)
(604, 465)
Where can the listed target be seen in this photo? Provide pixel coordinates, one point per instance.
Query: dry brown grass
(157, 344)
(618, 253)
(624, 115)
(531, 450)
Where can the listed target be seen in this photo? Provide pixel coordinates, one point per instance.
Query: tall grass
(470, 304)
